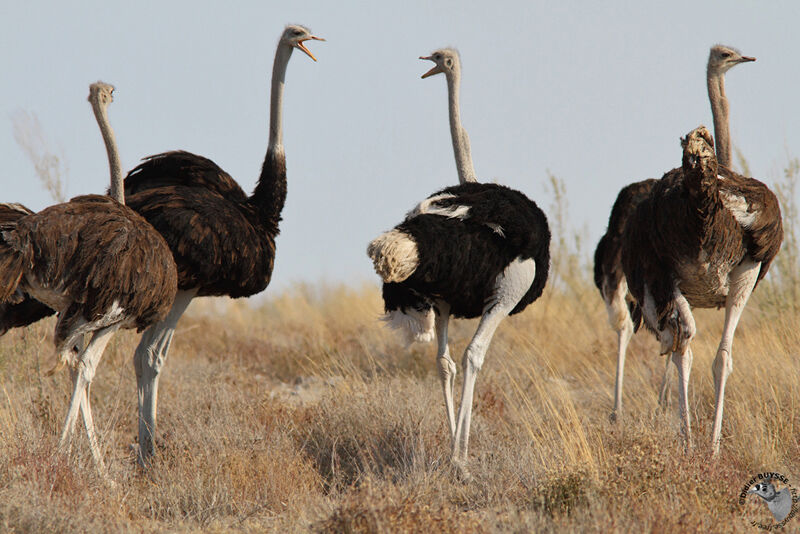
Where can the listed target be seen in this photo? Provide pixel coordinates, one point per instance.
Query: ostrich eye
(726, 54)
(297, 32)
(437, 57)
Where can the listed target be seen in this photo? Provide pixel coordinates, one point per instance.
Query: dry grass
(305, 414)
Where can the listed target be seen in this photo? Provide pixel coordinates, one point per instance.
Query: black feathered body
(692, 230)
(222, 240)
(24, 310)
(462, 254)
(89, 258)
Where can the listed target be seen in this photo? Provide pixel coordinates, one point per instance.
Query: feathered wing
(181, 168)
(215, 242)
(99, 255)
(18, 309)
(12, 212)
(762, 212)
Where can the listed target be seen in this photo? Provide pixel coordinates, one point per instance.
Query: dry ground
(303, 413)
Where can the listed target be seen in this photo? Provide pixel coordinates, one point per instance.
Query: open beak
(434, 70)
(302, 46)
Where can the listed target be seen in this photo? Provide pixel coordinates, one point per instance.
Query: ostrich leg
(82, 377)
(446, 365)
(510, 287)
(743, 280)
(151, 353)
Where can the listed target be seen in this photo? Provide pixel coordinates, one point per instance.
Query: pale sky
(597, 93)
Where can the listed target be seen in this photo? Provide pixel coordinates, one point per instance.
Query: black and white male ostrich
(223, 241)
(471, 250)
(703, 237)
(96, 262)
(623, 314)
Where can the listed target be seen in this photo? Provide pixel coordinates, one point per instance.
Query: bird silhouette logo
(774, 490)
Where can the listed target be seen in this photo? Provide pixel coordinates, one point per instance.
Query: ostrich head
(102, 93)
(721, 58)
(447, 61)
(698, 151)
(295, 35)
(765, 490)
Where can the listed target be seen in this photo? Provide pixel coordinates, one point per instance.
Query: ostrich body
(24, 310)
(97, 263)
(471, 250)
(28, 310)
(609, 278)
(704, 237)
(222, 240)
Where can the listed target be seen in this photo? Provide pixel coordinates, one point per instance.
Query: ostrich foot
(462, 471)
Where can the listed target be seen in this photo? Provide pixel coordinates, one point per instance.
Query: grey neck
(466, 172)
(117, 190)
(719, 112)
(282, 55)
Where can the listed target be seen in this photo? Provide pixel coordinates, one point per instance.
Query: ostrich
(26, 310)
(471, 250)
(97, 263)
(704, 237)
(223, 241)
(623, 314)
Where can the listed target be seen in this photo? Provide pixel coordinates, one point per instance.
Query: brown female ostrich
(97, 263)
(223, 241)
(471, 250)
(608, 275)
(26, 310)
(704, 237)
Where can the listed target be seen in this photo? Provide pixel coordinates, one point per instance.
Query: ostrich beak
(747, 58)
(302, 46)
(434, 70)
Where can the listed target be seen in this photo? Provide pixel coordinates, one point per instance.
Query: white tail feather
(394, 255)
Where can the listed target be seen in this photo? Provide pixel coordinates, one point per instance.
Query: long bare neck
(466, 172)
(270, 193)
(719, 111)
(282, 55)
(117, 190)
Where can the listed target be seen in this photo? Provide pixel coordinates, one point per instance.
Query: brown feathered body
(222, 240)
(24, 310)
(697, 224)
(93, 260)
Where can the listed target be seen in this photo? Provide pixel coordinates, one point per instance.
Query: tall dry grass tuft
(51, 169)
